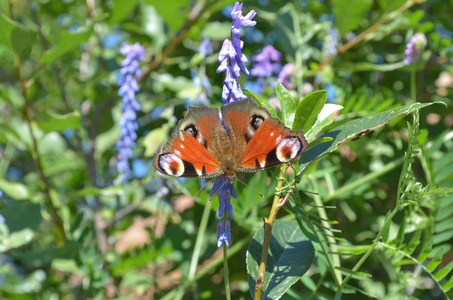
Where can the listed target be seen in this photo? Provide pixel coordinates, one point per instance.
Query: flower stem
(199, 242)
(225, 269)
(413, 87)
(268, 224)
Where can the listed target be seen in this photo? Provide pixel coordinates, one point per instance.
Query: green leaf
(22, 41)
(308, 110)
(22, 215)
(7, 26)
(16, 239)
(67, 42)
(49, 121)
(217, 31)
(44, 258)
(437, 259)
(327, 115)
(262, 103)
(355, 129)
(121, 10)
(288, 103)
(154, 140)
(389, 5)
(290, 256)
(439, 275)
(171, 11)
(13, 189)
(94, 191)
(349, 14)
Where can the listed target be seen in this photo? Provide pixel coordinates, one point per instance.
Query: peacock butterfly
(247, 140)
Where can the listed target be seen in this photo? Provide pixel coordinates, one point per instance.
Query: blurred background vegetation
(69, 229)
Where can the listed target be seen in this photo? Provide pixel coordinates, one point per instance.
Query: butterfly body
(248, 140)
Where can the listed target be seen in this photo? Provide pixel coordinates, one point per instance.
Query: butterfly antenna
(216, 192)
(249, 187)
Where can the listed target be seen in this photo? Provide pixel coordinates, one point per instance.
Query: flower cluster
(414, 47)
(128, 87)
(232, 62)
(266, 64)
(287, 76)
(232, 59)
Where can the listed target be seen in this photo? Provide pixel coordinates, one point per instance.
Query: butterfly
(247, 139)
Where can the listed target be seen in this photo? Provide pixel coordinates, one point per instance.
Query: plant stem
(225, 270)
(413, 86)
(237, 246)
(37, 157)
(268, 224)
(332, 243)
(199, 242)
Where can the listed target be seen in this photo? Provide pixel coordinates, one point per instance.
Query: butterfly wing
(194, 150)
(260, 141)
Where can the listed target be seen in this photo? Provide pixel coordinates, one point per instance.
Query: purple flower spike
(286, 76)
(266, 64)
(128, 87)
(226, 190)
(232, 59)
(414, 47)
(223, 235)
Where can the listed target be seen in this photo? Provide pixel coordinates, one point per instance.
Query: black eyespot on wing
(254, 123)
(192, 130)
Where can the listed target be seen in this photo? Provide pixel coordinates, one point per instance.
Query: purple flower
(128, 87)
(205, 47)
(232, 59)
(232, 62)
(224, 189)
(223, 235)
(266, 64)
(414, 47)
(286, 76)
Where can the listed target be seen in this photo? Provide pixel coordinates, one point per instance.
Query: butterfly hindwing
(261, 142)
(193, 151)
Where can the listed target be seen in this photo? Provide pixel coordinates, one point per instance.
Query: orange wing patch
(266, 139)
(193, 152)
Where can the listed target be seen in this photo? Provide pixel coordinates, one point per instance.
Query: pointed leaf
(13, 189)
(349, 14)
(327, 115)
(288, 103)
(49, 121)
(121, 10)
(262, 103)
(444, 271)
(290, 256)
(355, 129)
(308, 110)
(22, 215)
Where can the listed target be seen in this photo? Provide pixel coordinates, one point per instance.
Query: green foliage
(369, 212)
(290, 256)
